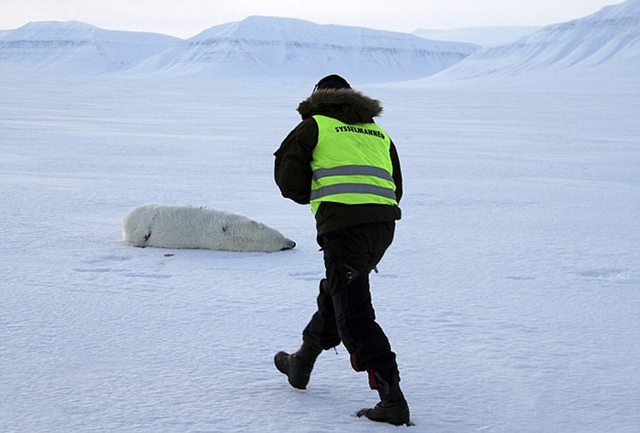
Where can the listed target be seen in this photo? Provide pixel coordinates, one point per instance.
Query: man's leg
(350, 255)
(321, 333)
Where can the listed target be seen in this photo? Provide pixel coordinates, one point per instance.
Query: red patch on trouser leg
(373, 379)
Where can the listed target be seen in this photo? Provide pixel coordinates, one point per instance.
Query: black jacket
(293, 159)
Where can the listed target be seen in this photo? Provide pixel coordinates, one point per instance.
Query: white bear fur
(154, 225)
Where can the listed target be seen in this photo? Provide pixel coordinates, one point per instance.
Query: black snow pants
(345, 312)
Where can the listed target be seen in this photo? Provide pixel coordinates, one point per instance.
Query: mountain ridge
(608, 39)
(76, 47)
(483, 36)
(293, 48)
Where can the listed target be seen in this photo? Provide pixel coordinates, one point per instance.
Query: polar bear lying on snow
(154, 225)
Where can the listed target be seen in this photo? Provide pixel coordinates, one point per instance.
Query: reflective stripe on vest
(353, 170)
(353, 188)
(351, 164)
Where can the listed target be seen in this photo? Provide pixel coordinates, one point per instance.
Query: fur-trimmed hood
(346, 105)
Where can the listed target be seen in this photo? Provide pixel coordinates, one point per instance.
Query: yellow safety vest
(351, 164)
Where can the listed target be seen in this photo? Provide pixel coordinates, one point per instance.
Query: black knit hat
(332, 82)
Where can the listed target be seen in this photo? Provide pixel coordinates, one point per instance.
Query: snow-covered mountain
(483, 36)
(261, 48)
(282, 47)
(608, 40)
(75, 47)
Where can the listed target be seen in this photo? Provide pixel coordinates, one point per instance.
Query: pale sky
(186, 18)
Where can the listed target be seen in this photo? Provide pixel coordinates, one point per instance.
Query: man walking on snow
(343, 164)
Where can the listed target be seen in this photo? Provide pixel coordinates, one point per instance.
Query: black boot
(393, 407)
(297, 366)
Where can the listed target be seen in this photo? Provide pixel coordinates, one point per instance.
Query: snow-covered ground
(511, 294)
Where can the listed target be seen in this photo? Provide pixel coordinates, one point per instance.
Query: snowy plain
(511, 293)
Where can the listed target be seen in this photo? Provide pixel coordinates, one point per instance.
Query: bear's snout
(288, 244)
